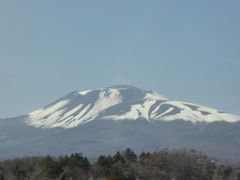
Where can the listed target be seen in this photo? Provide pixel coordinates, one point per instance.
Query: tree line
(126, 165)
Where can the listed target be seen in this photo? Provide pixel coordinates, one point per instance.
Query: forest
(125, 165)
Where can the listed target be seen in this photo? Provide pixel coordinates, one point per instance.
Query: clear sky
(185, 50)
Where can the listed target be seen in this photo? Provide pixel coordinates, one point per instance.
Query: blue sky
(186, 50)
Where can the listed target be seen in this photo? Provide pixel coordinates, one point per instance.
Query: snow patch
(83, 93)
(194, 116)
(48, 115)
(137, 111)
(155, 96)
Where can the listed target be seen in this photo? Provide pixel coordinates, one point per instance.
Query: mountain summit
(120, 103)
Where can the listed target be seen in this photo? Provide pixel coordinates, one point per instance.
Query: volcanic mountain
(104, 120)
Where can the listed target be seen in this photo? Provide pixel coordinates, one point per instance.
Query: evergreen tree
(129, 155)
(50, 168)
(118, 158)
(104, 161)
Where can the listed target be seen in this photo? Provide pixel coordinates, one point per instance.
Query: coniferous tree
(130, 155)
(51, 168)
(118, 158)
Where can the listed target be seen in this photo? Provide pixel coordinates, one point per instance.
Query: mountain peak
(109, 88)
(123, 86)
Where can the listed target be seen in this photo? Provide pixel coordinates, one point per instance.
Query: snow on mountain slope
(120, 103)
(74, 109)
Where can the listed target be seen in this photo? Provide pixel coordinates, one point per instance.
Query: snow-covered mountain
(121, 103)
(102, 121)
